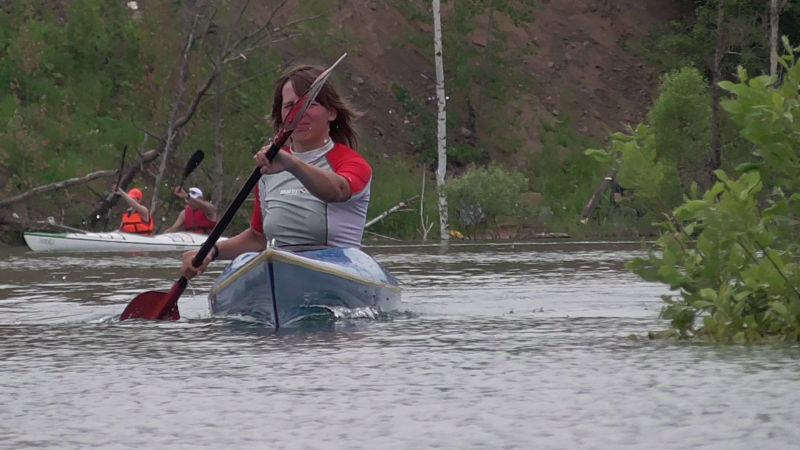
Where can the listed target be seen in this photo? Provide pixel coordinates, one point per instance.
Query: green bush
(733, 254)
(681, 124)
(481, 195)
(654, 182)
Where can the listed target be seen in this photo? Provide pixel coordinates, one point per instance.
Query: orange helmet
(135, 194)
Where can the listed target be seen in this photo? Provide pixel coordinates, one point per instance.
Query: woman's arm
(324, 184)
(248, 240)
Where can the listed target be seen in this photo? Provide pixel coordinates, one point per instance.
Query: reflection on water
(521, 345)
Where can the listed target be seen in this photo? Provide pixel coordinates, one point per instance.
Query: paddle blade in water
(153, 305)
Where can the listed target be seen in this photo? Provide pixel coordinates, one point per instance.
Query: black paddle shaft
(122, 164)
(237, 202)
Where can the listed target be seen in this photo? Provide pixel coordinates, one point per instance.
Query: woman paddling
(314, 192)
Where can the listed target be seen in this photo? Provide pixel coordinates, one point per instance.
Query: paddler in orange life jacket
(137, 218)
(199, 216)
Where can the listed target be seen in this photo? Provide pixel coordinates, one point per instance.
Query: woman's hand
(188, 270)
(282, 161)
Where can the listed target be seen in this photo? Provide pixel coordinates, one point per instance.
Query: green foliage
(681, 123)
(691, 41)
(769, 118)
(59, 86)
(79, 81)
(671, 45)
(312, 39)
(421, 138)
(653, 180)
(737, 279)
(733, 254)
(560, 172)
(662, 161)
(481, 195)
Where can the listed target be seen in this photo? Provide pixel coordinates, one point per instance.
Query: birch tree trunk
(219, 125)
(775, 8)
(716, 141)
(441, 129)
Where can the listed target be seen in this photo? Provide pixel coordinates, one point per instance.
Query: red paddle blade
(294, 116)
(153, 305)
(299, 110)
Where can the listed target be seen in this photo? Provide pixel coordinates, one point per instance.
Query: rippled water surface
(520, 345)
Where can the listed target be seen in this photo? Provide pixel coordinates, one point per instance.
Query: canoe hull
(112, 242)
(279, 287)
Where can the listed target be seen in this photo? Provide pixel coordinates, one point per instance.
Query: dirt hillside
(578, 56)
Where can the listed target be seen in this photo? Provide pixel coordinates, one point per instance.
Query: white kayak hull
(114, 241)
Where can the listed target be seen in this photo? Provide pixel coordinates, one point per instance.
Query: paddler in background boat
(137, 218)
(199, 216)
(316, 191)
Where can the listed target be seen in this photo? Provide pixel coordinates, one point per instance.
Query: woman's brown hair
(301, 77)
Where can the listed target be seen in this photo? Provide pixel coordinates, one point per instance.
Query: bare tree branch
(390, 211)
(182, 121)
(58, 185)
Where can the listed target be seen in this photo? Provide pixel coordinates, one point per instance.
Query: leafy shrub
(481, 195)
(733, 254)
(681, 124)
(654, 182)
(661, 161)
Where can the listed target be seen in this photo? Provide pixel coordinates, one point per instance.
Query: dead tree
(390, 211)
(591, 205)
(56, 186)
(232, 48)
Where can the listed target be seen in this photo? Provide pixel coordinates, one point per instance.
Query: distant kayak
(114, 241)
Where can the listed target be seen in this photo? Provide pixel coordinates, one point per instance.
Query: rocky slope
(578, 63)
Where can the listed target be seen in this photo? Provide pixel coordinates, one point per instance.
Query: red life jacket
(195, 221)
(132, 222)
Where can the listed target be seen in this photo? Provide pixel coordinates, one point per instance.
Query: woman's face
(314, 126)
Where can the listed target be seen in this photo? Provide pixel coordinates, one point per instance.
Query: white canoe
(114, 241)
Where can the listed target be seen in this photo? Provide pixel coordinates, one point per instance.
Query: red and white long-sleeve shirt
(287, 212)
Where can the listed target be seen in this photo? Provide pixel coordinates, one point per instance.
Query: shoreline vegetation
(711, 171)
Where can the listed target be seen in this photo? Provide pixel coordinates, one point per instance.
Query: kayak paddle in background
(119, 178)
(155, 305)
(194, 161)
(122, 164)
